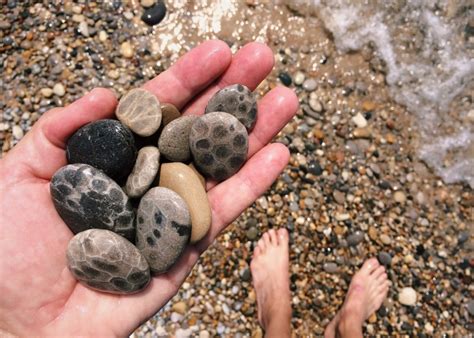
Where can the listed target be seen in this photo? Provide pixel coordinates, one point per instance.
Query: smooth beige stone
(169, 113)
(140, 111)
(182, 179)
(144, 171)
(198, 174)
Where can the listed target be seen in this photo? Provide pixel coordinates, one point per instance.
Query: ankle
(350, 323)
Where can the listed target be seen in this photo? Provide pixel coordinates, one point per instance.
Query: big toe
(283, 236)
(369, 266)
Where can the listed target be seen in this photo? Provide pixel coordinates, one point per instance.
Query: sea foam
(431, 73)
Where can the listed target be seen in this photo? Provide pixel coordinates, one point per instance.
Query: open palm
(38, 294)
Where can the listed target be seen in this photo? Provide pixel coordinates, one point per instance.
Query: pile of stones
(134, 190)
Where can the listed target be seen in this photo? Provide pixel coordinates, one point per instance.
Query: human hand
(39, 294)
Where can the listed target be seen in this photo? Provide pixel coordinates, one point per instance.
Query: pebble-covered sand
(354, 187)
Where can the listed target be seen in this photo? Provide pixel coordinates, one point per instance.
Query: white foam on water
(426, 80)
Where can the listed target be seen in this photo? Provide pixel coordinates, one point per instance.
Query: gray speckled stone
(174, 139)
(144, 171)
(330, 267)
(236, 100)
(86, 198)
(140, 110)
(219, 145)
(163, 228)
(105, 261)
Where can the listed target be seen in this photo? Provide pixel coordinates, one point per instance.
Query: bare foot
(368, 289)
(271, 281)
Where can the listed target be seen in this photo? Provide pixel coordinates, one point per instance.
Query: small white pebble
(59, 89)
(126, 50)
(83, 28)
(359, 120)
(17, 132)
(103, 36)
(46, 92)
(298, 79)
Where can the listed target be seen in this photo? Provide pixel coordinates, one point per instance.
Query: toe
(261, 245)
(369, 266)
(273, 236)
(283, 236)
(256, 252)
(266, 239)
(378, 272)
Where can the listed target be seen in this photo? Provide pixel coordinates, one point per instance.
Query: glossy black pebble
(153, 15)
(106, 145)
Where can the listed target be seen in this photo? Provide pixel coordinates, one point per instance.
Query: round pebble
(140, 111)
(106, 145)
(285, 78)
(355, 238)
(236, 100)
(310, 85)
(155, 14)
(168, 113)
(174, 139)
(59, 89)
(86, 198)
(384, 258)
(407, 296)
(252, 233)
(163, 228)
(330, 267)
(144, 171)
(219, 145)
(298, 78)
(126, 49)
(107, 262)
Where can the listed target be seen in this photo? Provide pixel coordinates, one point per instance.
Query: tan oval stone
(169, 113)
(181, 179)
(144, 171)
(198, 174)
(140, 111)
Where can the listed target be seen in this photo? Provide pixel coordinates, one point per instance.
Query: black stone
(315, 168)
(106, 145)
(154, 15)
(384, 258)
(285, 78)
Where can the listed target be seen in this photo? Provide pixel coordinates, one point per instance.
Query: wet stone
(174, 139)
(140, 110)
(163, 228)
(236, 100)
(86, 198)
(155, 14)
(107, 262)
(144, 172)
(106, 145)
(330, 267)
(219, 145)
(355, 238)
(384, 258)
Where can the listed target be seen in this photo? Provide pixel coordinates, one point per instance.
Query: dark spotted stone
(91, 200)
(106, 145)
(236, 100)
(219, 145)
(105, 261)
(166, 228)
